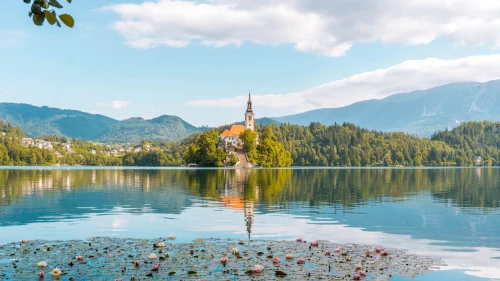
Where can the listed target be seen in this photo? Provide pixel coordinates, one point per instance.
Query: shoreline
(234, 168)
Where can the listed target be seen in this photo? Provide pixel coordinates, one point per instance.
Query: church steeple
(249, 103)
(249, 116)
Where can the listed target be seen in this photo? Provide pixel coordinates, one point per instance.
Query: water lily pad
(112, 258)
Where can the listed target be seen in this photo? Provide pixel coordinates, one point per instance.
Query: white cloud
(115, 104)
(328, 28)
(404, 77)
(12, 38)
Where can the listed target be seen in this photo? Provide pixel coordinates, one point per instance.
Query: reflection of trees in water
(102, 189)
(469, 187)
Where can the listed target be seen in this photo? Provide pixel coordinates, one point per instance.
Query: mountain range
(419, 112)
(39, 121)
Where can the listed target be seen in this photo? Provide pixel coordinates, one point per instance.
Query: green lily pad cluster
(104, 258)
(43, 10)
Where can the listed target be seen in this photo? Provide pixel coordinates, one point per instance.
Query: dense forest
(349, 145)
(278, 146)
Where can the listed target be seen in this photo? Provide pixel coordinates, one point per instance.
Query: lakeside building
(231, 137)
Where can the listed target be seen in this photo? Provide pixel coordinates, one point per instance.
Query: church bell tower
(249, 117)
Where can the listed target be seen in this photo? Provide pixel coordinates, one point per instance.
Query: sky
(200, 59)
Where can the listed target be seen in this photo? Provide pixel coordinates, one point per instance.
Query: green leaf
(51, 19)
(67, 20)
(55, 3)
(55, 16)
(38, 19)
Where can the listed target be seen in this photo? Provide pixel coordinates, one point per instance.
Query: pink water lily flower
(300, 261)
(362, 273)
(156, 267)
(276, 260)
(41, 274)
(137, 263)
(289, 256)
(378, 249)
(327, 253)
(299, 239)
(314, 243)
(384, 253)
(79, 258)
(357, 277)
(338, 249)
(118, 279)
(223, 260)
(258, 268)
(201, 279)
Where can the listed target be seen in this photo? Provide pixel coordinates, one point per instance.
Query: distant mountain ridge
(162, 128)
(38, 121)
(418, 112)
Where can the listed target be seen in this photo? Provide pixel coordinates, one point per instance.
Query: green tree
(43, 10)
(249, 138)
(272, 153)
(204, 151)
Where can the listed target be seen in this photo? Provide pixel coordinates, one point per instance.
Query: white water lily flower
(55, 272)
(161, 244)
(171, 237)
(42, 264)
(152, 256)
(236, 251)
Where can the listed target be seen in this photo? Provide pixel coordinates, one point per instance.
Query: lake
(450, 213)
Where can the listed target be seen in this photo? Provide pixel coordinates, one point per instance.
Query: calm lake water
(448, 213)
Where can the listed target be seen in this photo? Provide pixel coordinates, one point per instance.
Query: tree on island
(204, 152)
(269, 153)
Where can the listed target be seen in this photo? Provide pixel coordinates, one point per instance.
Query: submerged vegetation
(205, 259)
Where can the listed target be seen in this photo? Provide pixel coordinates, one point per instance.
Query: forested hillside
(349, 145)
(40, 121)
(473, 139)
(163, 128)
(37, 121)
(279, 146)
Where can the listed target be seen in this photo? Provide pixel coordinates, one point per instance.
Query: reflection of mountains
(30, 195)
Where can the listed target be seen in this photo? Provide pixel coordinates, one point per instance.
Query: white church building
(231, 137)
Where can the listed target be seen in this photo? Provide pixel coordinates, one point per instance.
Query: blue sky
(198, 61)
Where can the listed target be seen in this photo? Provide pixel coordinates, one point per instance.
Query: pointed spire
(249, 103)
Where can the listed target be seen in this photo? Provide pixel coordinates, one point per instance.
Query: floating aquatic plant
(55, 272)
(258, 268)
(110, 259)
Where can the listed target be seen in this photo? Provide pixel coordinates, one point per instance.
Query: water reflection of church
(234, 196)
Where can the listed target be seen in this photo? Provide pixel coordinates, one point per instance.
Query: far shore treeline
(339, 145)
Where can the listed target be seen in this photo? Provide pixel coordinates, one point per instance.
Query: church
(231, 137)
